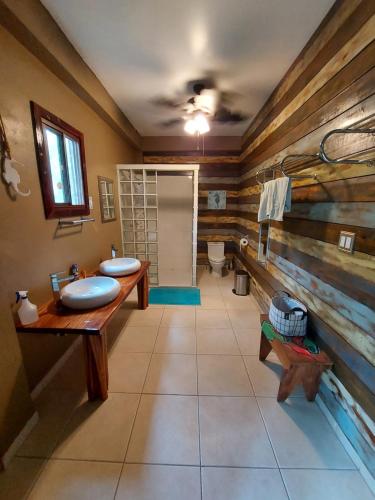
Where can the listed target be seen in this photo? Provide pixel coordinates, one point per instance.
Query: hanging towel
(275, 199)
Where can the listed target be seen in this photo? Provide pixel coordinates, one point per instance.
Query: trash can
(241, 282)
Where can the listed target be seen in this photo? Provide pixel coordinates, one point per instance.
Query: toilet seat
(217, 260)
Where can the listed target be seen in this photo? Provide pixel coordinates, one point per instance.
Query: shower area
(158, 213)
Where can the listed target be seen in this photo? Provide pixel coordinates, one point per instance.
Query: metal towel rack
(322, 156)
(282, 167)
(77, 222)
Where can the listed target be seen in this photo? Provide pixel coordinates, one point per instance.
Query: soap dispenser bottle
(28, 312)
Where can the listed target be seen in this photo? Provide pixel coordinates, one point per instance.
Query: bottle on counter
(28, 312)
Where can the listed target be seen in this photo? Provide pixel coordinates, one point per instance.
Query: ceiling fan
(207, 103)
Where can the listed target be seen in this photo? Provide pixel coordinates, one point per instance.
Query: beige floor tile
(210, 289)
(99, 430)
(74, 480)
(216, 341)
(240, 302)
(232, 433)
(54, 408)
(127, 372)
(249, 341)
(148, 317)
(136, 339)
(165, 431)
(176, 340)
(17, 480)
(172, 374)
(226, 287)
(219, 483)
(159, 482)
(179, 317)
(326, 484)
(211, 302)
(301, 435)
(212, 318)
(208, 279)
(265, 377)
(222, 376)
(243, 319)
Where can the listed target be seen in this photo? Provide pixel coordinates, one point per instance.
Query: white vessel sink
(90, 292)
(119, 267)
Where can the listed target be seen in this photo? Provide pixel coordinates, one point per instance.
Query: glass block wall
(139, 216)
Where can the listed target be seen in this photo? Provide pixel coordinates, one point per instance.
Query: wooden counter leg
(142, 288)
(265, 347)
(95, 347)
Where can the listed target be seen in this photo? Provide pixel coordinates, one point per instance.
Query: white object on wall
(244, 242)
(9, 172)
(12, 177)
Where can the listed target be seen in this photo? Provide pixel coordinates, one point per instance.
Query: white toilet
(216, 257)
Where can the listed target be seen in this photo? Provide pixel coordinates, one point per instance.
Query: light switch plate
(346, 241)
(91, 205)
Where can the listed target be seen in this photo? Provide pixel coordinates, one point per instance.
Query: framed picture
(106, 199)
(217, 200)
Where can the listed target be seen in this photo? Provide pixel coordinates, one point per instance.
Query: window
(61, 164)
(263, 243)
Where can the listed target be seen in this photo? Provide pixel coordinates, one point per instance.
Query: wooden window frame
(41, 117)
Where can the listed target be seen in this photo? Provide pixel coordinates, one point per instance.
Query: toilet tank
(216, 249)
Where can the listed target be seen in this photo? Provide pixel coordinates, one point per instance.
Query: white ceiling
(143, 49)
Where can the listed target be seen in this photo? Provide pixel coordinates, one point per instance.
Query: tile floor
(192, 414)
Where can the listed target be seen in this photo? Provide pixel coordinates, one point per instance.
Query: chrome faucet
(113, 251)
(55, 280)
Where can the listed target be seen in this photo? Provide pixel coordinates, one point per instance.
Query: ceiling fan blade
(196, 86)
(224, 115)
(167, 102)
(171, 122)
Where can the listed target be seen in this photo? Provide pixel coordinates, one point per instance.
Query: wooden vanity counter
(91, 324)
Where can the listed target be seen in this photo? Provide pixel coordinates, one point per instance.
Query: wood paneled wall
(331, 85)
(218, 170)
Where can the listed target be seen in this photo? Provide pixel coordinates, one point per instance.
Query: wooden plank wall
(218, 170)
(330, 85)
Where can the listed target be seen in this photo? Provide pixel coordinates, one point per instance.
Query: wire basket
(287, 315)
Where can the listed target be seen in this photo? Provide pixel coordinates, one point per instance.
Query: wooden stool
(297, 368)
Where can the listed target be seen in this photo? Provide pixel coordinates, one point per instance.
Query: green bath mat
(175, 296)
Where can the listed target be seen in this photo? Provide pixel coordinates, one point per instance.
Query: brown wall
(31, 246)
(331, 85)
(189, 143)
(16, 406)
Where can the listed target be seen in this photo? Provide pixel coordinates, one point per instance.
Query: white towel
(276, 198)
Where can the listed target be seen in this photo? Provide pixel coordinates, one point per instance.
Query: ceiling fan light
(190, 127)
(201, 124)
